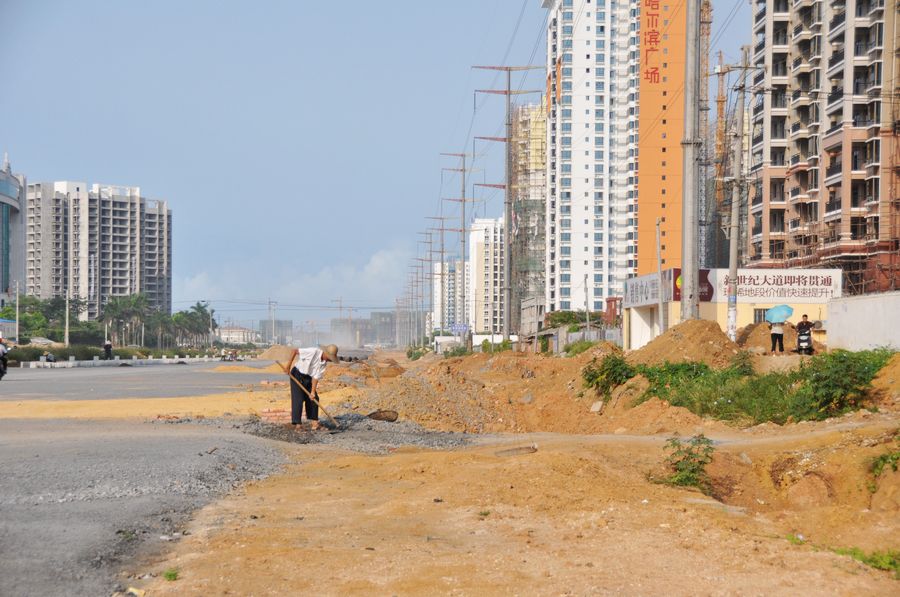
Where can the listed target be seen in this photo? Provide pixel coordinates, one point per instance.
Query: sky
(297, 143)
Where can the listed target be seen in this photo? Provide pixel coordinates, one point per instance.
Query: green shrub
(610, 372)
(414, 354)
(836, 382)
(459, 351)
(688, 460)
(577, 347)
(574, 327)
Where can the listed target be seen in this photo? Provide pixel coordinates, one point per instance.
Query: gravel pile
(358, 433)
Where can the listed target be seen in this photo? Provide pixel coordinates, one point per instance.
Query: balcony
(833, 208)
(837, 21)
(759, 77)
(759, 16)
(833, 170)
(757, 139)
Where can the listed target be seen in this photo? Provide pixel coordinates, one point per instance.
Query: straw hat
(331, 353)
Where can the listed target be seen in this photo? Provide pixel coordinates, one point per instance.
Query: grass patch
(484, 513)
(171, 574)
(796, 539)
(577, 347)
(882, 560)
(825, 386)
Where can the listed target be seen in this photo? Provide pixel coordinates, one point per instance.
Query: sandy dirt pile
(576, 517)
(520, 392)
(886, 385)
(757, 338)
(694, 340)
(277, 352)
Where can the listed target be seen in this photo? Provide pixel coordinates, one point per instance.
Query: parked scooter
(804, 342)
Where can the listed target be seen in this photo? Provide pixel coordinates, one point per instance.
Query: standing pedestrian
(308, 366)
(107, 350)
(777, 333)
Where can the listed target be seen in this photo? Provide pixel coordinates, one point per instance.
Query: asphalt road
(78, 499)
(152, 381)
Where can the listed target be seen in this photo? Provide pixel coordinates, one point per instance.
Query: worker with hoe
(306, 367)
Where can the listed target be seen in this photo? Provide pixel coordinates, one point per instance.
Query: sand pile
(277, 352)
(693, 340)
(886, 385)
(756, 337)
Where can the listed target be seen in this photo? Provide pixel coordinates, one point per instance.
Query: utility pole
(17, 311)
(690, 264)
(721, 122)
(67, 312)
(462, 226)
(737, 169)
(508, 195)
(441, 275)
(662, 298)
(587, 310)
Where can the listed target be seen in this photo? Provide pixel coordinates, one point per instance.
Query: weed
(545, 344)
(742, 363)
(414, 354)
(882, 560)
(612, 371)
(688, 462)
(171, 574)
(578, 347)
(879, 464)
(484, 513)
(796, 539)
(836, 382)
(127, 534)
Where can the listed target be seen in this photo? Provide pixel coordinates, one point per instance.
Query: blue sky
(297, 142)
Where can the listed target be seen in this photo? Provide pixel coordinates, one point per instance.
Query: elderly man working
(308, 366)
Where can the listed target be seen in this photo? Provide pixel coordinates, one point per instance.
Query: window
(759, 315)
(564, 305)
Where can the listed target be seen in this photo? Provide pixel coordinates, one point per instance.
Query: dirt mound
(693, 340)
(886, 385)
(757, 338)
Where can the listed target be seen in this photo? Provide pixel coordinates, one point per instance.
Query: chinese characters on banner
(651, 39)
(786, 286)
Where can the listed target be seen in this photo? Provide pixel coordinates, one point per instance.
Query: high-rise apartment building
(486, 252)
(12, 239)
(96, 243)
(449, 278)
(823, 181)
(661, 59)
(529, 196)
(592, 138)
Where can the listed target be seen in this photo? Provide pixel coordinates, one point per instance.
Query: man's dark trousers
(299, 398)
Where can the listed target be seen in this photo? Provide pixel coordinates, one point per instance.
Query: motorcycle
(804, 342)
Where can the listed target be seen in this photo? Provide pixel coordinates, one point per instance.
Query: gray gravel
(357, 433)
(79, 498)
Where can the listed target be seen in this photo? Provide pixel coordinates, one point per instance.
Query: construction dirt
(543, 487)
(693, 340)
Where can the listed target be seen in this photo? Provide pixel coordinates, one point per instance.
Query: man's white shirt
(309, 361)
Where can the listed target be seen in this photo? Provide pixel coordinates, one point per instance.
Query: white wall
(643, 326)
(861, 322)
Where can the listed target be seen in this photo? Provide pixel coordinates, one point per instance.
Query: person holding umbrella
(776, 316)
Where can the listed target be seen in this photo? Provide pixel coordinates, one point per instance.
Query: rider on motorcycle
(3, 357)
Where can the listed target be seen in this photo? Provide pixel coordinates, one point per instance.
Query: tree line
(128, 320)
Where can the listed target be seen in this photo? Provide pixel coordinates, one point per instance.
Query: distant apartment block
(593, 73)
(96, 243)
(486, 253)
(449, 278)
(528, 232)
(278, 331)
(12, 239)
(823, 181)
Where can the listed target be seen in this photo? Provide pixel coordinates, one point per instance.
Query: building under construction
(528, 233)
(823, 187)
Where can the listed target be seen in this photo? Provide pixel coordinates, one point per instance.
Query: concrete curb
(116, 362)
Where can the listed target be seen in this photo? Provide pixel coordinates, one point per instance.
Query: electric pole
(17, 311)
(441, 274)
(662, 298)
(737, 169)
(508, 195)
(462, 226)
(690, 265)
